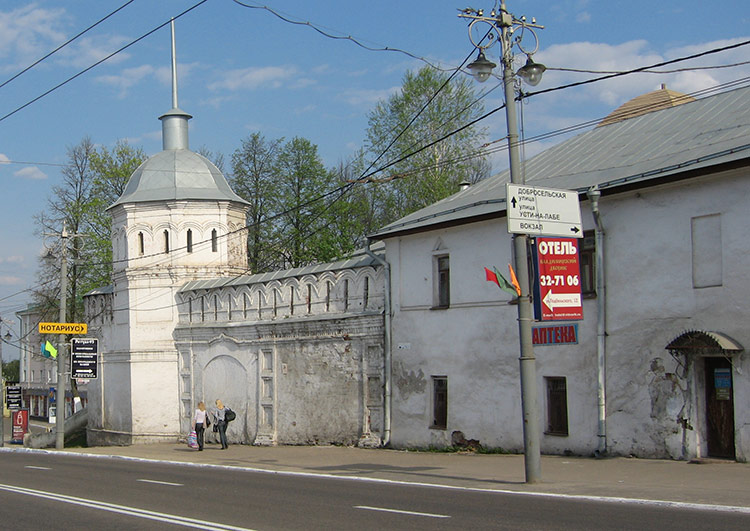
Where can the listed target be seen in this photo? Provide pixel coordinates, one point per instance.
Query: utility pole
(2, 397)
(61, 358)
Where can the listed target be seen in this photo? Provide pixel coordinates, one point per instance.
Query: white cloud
(306, 109)
(253, 78)
(4, 159)
(127, 78)
(628, 56)
(86, 51)
(583, 17)
(184, 71)
(367, 97)
(27, 32)
(31, 173)
(12, 260)
(8, 280)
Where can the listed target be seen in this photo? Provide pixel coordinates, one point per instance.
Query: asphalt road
(40, 491)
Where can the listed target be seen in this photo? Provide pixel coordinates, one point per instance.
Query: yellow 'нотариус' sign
(63, 328)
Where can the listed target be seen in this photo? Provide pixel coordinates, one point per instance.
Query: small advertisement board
(13, 397)
(557, 285)
(20, 425)
(84, 357)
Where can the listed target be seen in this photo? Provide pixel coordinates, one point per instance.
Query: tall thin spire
(174, 124)
(174, 68)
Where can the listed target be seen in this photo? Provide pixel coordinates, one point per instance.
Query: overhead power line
(636, 70)
(63, 45)
(79, 74)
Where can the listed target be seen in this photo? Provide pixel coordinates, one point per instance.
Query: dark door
(719, 408)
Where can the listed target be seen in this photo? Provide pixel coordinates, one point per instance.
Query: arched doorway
(711, 353)
(227, 379)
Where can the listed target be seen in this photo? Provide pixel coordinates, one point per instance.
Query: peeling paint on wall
(669, 401)
(408, 382)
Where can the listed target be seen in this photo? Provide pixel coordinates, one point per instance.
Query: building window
(586, 258)
(557, 405)
(214, 241)
(141, 245)
(189, 241)
(366, 294)
(439, 402)
(346, 295)
(166, 241)
(706, 251)
(442, 296)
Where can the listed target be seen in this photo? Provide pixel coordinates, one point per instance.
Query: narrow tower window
(166, 241)
(214, 241)
(141, 246)
(189, 241)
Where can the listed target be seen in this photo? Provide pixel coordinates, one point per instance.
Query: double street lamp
(510, 31)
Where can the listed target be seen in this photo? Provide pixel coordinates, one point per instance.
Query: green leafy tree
(11, 371)
(400, 127)
(361, 209)
(255, 179)
(303, 179)
(66, 207)
(111, 170)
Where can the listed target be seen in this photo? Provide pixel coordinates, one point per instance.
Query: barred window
(557, 406)
(439, 402)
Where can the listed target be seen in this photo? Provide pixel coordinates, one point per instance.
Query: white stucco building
(408, 345)
(663, 330)
(297, 354)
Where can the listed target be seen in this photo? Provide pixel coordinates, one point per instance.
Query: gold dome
(646, 103)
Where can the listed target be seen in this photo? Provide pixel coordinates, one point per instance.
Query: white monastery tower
(177, 220)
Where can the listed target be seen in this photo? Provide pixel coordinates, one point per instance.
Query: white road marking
(122, 509)
(38, 467)
(290, 473)
(399, 511)
(161, 482)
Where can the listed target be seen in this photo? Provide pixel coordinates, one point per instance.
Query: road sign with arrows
(543, 211)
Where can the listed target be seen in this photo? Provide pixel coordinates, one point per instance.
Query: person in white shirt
(200, 423)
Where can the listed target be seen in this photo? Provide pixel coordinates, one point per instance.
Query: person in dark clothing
(220, 420)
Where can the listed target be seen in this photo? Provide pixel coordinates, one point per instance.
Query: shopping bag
(192, 440)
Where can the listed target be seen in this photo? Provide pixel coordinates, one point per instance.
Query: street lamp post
(505, 25)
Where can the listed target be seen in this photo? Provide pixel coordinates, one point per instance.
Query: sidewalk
(711, 482)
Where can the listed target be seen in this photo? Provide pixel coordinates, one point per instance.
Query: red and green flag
(501, 281)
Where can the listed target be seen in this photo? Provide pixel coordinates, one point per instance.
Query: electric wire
(71, 78)
(63, 45)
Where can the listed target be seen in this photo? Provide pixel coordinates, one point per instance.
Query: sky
(243, 70)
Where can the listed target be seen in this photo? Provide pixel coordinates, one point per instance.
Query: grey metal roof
(694, 135)
(177, 174)
(104, 290)
(357, 259)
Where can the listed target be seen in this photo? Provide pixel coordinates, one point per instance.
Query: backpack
(229, 415)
